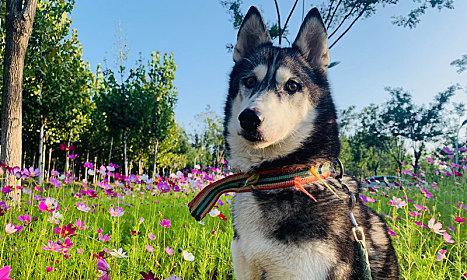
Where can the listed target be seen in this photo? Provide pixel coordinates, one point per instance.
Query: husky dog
(279, 111)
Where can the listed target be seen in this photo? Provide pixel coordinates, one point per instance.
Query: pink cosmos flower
(420, 224)
(169, 251)
(80, 225)
(5, 273)
(397, 202)
(116, 212)
(104, 237)
(103, 268)
(165, 223)
(426, 193)
(459, 219)
(365, 199)
(151, 236)
(436, 226)
(414, 214)
(420, 207)
(447, 237)
(149, 248)
(82, 207)
(441, 255)
(11, 228)
(49, 269)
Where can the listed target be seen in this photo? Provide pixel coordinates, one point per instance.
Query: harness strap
(359, 236)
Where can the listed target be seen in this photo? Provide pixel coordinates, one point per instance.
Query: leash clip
(252, 180)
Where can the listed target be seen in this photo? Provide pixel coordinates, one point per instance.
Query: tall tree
(418, 124)
(19, 22)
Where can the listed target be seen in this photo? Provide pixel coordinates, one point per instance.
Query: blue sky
(375, 54)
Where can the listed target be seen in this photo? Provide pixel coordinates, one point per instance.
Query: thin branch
(350, 26)
(342, 22)
(288, 17)
(278, 21)
(334, 13)
(329, 12)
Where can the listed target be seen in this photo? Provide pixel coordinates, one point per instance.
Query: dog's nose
(249, 120)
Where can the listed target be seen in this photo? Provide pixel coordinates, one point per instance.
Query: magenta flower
(414, 214)
(6, 189)
(165, 223)
(49, 269)
(420, 207)
(26, 219)
(365, 199)
(459, 219)
(5, 273)
(116, 212)
(391, 232)
(420, 224)
(49, 205)
(104, 237)
(88, 165)
(103, 268)
(426, 193)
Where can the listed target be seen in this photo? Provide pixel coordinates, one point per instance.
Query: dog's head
(276, 95)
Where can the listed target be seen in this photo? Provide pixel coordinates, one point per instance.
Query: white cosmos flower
(118, 253)
(187, 256)
(214, 212)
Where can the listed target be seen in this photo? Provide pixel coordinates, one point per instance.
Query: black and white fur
(279, 111)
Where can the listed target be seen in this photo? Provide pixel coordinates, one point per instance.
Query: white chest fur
(255, 254)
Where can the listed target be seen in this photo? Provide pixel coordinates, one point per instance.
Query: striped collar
(294, 176)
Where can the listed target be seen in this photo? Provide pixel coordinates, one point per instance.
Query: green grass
(210, 243)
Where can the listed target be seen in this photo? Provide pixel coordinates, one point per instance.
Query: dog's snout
(249, 119)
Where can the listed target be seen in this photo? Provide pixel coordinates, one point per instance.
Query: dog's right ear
(252, 33)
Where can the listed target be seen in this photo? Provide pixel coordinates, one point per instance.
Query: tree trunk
(125, 159)
(19, 22)
(140, 167)
(154, 167)
(111, 147)
(41, 151)
(417, 155)
(49, 163)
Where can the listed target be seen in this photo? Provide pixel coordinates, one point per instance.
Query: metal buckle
(251, 181)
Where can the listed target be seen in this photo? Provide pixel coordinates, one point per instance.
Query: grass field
(67, 230)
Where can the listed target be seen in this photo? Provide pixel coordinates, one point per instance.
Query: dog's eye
(250, 82)
(292, 87)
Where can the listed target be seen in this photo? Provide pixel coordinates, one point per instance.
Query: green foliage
(141, 104)
(460, 64)
(208, 144)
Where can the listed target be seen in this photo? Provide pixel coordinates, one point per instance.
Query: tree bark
(125, 159)
(154, 167)
(49, 163)
(19, 22)
(111, 147)
(41, 151)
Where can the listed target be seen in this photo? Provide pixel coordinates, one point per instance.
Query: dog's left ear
(311, 40)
